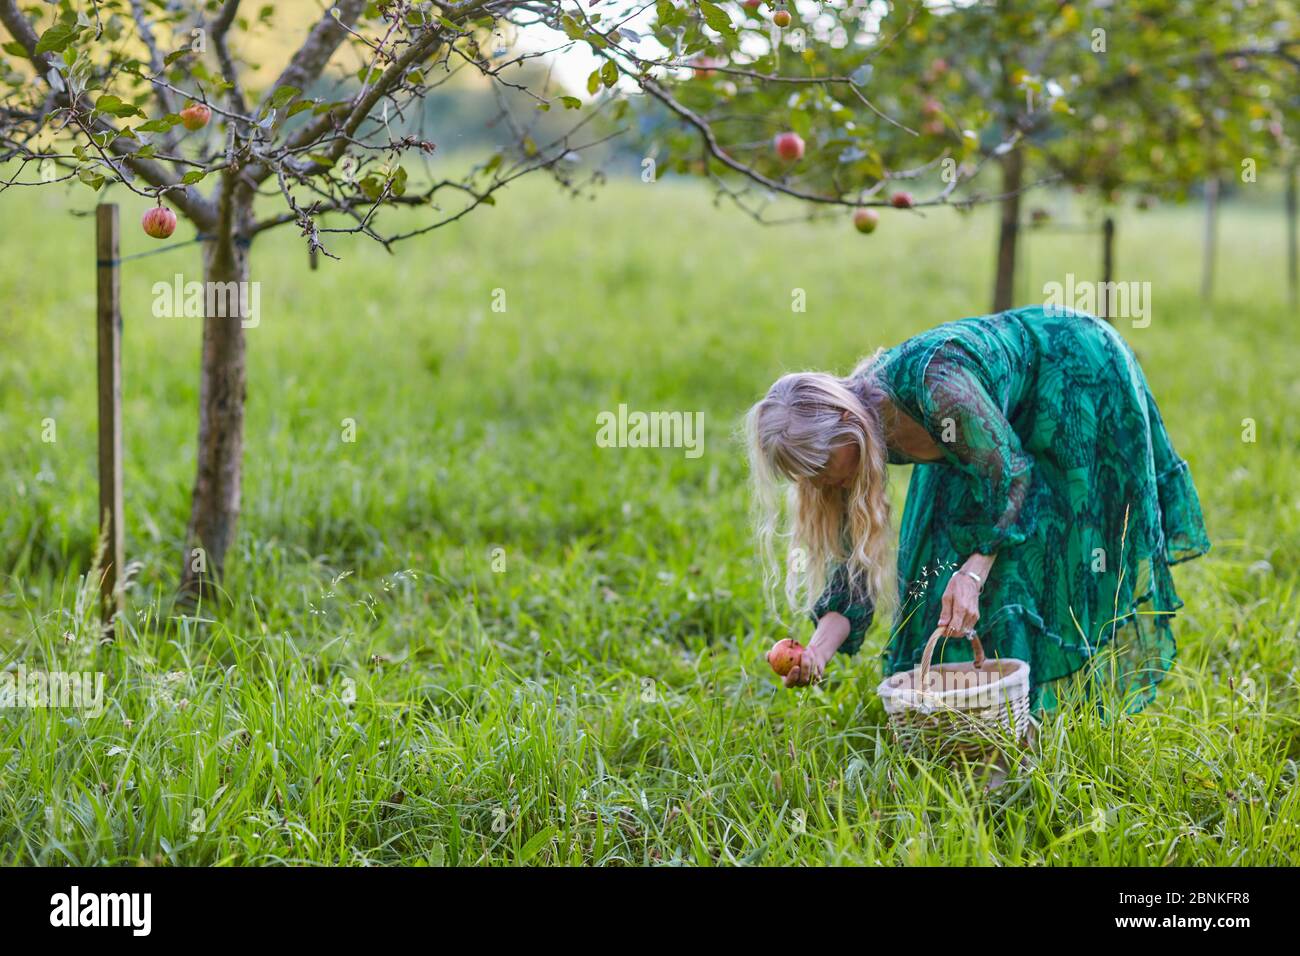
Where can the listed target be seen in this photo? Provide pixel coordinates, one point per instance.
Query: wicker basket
(971, 708)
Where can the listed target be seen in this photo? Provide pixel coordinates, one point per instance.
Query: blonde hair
(790, 436)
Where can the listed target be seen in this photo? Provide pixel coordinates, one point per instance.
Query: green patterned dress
(1057, 461)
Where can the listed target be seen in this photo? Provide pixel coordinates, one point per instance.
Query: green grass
(372, 691)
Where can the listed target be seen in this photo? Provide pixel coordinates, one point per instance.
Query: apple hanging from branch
(195, 116)
(789, 146)
(159, 222)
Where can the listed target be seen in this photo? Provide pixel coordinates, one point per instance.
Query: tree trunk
(1207, 262)
(214, 508)
(1013, 168)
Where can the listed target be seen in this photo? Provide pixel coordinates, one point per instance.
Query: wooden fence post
(108, 323)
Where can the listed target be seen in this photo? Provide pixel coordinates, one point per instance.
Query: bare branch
(220, 27)
(307, 64)
(156, 66)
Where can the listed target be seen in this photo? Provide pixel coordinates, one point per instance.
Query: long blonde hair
(790, 436)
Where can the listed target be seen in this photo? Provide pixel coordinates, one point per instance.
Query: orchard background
(450, 628)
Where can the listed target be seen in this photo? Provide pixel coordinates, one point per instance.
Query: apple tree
(160, 99)
(930, 94)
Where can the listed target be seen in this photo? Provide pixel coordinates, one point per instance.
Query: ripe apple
(789, 146)
(864, 220)
(784, 656)
(901, 200)
(753, 4)
(195, 116)
(159, 222)
(704, 66)
(781, 18)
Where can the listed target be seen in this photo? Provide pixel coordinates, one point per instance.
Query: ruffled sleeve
(971, 428)
(842, 598)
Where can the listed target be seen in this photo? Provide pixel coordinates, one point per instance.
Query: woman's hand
(811, 667)
(961, 598)
(832, 630)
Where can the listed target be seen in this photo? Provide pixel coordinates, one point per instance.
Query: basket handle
(930, 645)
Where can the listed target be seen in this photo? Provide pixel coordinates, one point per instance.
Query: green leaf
(609, 73)
(90, 178)
(398, 181)
(114, 106)
(283, 95)
(56, 38)
(533, 846)
(572, 28)
(299, 107)
(160, 125)
(415, 77)
(193, 176)
(572, 102)
(717, 18)
(14, 48)
(593, 82)
(172, 57)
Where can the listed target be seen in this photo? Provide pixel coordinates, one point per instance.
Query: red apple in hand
(159, 222)
(901, 200)
(789, 146)
(784, 656)
(195, 116)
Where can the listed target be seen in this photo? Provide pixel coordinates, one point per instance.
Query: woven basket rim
(910, 697)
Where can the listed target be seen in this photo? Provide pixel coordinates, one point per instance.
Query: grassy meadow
(471, 636)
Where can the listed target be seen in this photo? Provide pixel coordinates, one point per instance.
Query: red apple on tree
(781, 18)
(864, 220)
(937, 68)
(789, 146)
(784, 656)
(159, 222)
(901, 200)
(195, 116)
(704, 65)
